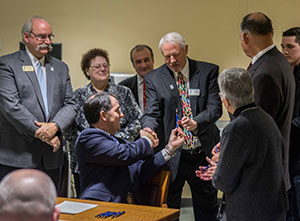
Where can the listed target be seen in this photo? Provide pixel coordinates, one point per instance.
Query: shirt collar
(185, 70)
(140, 80)
(35, 60)
(241, 109)
(261, 53)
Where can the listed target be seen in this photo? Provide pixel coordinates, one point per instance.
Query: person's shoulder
(12, 56)
(119, 88)
(155, 73)
(128, 81)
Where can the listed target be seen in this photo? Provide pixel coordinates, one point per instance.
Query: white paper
(71, 207)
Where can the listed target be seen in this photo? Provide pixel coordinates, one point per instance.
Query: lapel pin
(171, 86)
(52, 68)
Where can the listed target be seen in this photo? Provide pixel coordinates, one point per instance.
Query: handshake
(176, 138)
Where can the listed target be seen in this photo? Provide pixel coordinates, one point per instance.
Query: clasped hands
(46, 133)
(176, 137)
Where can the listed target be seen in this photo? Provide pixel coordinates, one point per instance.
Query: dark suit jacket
(250, 168)
(132, 84)
(109, 170)
(21, 103)
(274, 91)
(163, 99)
(295, 129)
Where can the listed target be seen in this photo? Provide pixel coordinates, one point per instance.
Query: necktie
(43, 85)
(190, 140)
(144, 95)
(249, 65)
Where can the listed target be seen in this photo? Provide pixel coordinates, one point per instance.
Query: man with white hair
(27, 195)
(184, 92)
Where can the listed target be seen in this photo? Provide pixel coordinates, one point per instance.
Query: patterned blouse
(129, 125)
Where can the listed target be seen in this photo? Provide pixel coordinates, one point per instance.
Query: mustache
(44, 45)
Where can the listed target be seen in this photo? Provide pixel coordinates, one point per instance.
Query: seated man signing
(111, 167)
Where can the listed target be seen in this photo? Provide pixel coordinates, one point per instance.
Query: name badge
(27, 68)
(194, 92)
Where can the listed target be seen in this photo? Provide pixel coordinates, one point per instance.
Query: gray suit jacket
(274, 87)
(163, 99)
(21, 104)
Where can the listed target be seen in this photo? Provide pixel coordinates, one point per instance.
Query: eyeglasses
(96, 67)
(42, 37)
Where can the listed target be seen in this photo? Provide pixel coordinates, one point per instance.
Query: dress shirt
(261, 53)
(140, 82)
(35, 61)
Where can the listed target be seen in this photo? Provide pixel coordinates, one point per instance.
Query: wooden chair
(155, 191)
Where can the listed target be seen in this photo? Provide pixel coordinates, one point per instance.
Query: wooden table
(132, 212)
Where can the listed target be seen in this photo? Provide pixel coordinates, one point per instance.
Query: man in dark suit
(290, 44)
(35, 104)
(111, 167)
(141, 57)
(250, 168)
(164, 110)
(273, 81)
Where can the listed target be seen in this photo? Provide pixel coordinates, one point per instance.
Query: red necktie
(144, 95)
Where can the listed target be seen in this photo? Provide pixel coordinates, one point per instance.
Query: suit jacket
(163, 99)
(295, 129)
(109, 170)
(21, 104)
(275, 91)
(132, 84)
(250, 168)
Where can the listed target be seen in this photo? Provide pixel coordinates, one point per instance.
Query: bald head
(257, 23)
(27, 194)
(256, 33)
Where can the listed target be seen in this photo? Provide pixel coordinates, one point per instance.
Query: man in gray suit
(35, 104)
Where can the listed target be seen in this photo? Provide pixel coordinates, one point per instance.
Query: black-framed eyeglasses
(42, 37)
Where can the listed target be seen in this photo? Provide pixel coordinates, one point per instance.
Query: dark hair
(95, 104)
(139, 48)
(257, 23)
(91, 54)
(295, 31)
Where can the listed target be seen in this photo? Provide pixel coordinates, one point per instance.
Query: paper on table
(74, 207)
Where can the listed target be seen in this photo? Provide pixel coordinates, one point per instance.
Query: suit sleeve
(231, 163)
(10, 105)
(67, 113)
(152, 114)
(267, 94)
(213, 109)
(101, 150)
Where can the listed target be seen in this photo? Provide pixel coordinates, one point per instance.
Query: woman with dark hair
(96, 67)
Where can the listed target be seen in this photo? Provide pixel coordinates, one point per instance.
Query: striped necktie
(190, 140)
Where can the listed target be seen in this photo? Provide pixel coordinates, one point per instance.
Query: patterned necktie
(190, 140)
(144, 95)
(43, 85)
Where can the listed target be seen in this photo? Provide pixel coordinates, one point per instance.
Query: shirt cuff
(165, 154)
(150, 142)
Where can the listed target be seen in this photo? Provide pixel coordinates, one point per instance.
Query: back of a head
(257, 23)
(27, 194)
(236, 85)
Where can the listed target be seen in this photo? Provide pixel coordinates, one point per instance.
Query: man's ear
(245, 37)
(103, 115)
(26, 36)
(55, 215)
(226, 102)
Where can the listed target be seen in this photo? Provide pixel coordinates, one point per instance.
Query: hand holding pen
(215, 153)
(206, 172)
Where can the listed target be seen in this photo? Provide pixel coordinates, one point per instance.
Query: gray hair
(27, 192)
(236, 85)
(27, 27)
(172, 38)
